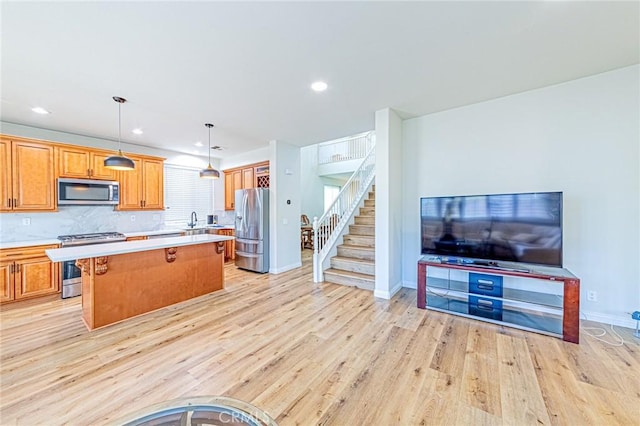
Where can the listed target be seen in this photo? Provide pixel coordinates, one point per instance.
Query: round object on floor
(201, 410)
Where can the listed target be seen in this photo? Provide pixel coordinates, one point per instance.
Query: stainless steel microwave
(81, 192)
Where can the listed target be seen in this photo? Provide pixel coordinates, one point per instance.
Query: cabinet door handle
(88, 172)
(9, 202)
(11, 268)
(17, 268)
(15, 202)
(144, 203)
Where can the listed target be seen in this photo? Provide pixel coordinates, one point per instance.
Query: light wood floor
(309, 354)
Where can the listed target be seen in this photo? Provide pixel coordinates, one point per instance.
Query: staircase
(355, 263)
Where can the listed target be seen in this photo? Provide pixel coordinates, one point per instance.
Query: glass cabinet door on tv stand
(543, 299)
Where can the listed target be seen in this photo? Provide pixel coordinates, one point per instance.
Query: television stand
(529, 297)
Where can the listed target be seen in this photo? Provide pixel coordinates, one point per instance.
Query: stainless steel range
(71, 275)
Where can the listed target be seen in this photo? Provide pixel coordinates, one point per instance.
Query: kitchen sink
(198, 231)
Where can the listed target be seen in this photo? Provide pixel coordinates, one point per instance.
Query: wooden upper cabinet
(29, 169)
(6, 192)
(131, 188)
(231, 180)
(78, 162)
(142, 188)
(27, 176)
(248, 180)
(249, 176)
(153, 185)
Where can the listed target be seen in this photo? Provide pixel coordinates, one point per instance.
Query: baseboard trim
(285, 268)
(383, 294)
(410, 284)
(608, 319)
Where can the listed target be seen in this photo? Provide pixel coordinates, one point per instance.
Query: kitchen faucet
(194, 220)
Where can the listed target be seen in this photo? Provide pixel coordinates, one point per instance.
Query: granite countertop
(110, 249)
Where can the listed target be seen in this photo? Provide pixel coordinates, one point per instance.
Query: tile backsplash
(86, 219)
(76, 220)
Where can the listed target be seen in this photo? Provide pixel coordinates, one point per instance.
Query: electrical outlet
(133, 218)
(592, 296)
(26, 221)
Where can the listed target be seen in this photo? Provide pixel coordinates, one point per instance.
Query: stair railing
(328, 228)
(344, 149)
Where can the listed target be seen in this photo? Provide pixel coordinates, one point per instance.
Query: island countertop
(110, 249)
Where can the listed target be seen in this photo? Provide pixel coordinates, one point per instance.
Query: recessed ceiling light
(40, 110)
(137, 131)
(319, 86)
(198, 143)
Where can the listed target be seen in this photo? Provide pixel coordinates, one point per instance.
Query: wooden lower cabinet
(6, 281)
(229, 245)
(27, 272)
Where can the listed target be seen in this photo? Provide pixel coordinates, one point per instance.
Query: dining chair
(306, 233)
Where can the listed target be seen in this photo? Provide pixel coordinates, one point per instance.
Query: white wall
(312, 195)
(255, 156)
(284, 201)
(388, 183)
(580, 137)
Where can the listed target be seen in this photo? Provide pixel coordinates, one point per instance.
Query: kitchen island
(125, 279)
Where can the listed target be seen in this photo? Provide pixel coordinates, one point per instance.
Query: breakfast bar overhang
(126, 279)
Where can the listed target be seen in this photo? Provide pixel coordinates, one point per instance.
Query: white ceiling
(247, 67)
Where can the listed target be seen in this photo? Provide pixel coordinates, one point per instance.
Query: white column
(284, 207)
(388, 203)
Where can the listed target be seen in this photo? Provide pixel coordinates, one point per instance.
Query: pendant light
(209, 172)
(119, 162)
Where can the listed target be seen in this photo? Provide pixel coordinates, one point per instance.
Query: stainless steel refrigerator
(252, 229)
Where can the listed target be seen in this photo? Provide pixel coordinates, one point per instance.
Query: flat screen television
(523, 227)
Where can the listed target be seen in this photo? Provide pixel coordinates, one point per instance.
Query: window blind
(184, 192)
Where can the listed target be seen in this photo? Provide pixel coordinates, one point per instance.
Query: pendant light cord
(209, 146)
(209, 125)
(119, 126)
(120, 101)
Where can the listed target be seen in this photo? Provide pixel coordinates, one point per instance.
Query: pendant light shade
(209, 172)
(119, 162)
